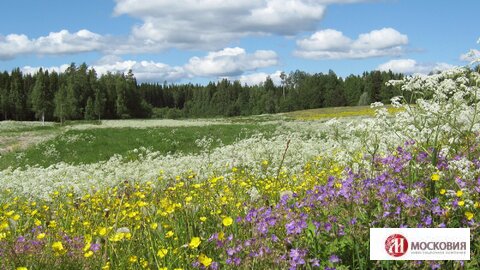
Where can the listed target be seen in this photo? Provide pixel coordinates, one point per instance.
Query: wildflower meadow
(301, 196)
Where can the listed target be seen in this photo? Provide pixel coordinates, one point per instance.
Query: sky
(198, 41)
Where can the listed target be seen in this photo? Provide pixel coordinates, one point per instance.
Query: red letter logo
(396, 245)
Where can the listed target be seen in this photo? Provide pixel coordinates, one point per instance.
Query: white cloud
(260, 77)
(33, 70)
(181, 24)
(230, 62)
(211, 24)
(471, 56)
(332, 44)
(410, 66)
(143, 70)
(62, 42)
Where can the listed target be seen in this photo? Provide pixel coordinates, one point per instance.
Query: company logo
(429, 244)
(396, 245)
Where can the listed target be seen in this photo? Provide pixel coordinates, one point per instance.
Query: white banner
(419, 244)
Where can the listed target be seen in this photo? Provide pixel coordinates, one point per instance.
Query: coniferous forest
(80, 93)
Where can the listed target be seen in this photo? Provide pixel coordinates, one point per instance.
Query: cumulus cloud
(230, 62)
(143, 70)
(181, 24)
(33, 70)
(410, 66)
(333, 44)
(259, 77)
(210, 24)
(62, 42)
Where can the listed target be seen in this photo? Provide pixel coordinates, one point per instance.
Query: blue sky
(199, 41)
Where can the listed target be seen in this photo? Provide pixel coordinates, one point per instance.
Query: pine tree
(120, 102)
(61, 103)
(89, 110)
(38, 97)
(100, 102)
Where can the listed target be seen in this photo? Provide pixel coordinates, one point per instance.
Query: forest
(80, 93)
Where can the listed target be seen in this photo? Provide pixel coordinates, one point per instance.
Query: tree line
(298, 91)
(79, 93)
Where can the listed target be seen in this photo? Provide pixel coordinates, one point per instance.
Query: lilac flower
(214, 265)
(334, 259)
(95, 247)
(315, 262)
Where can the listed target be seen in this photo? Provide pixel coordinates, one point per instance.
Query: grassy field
(336, 112)
(94, 144)
(78, 142)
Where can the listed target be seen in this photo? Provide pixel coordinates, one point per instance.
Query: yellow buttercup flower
(227, 221)
(435, 177)
(195, 242)
(40, 236)
(469, 215)
(461, 203)
(133, 259)
(58, 247)
(153, 225)
(162, 252)
(102, 231)
(169, 234)
(88, 254)
(21, 268)
(204, 260)
(203, 219)
(106, 266)
(37, 222)
(459, 193)
(442, 191)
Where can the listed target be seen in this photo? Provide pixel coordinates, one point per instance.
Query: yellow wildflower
(204, 260)
(221, 236)
(133, 259)
(153, 225)
(162, 252)
(40, 236)
(195, 242)
(203, 219)
(469, 215)
(461, 203)
(143, 263)
(37, 222)
(459, 193)
(88, 254)
(227, 221)
(21, 268)
(169, 234)
(58, 247)
(442, 191)
(435, 177)
(106, 266)
(102, 231)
